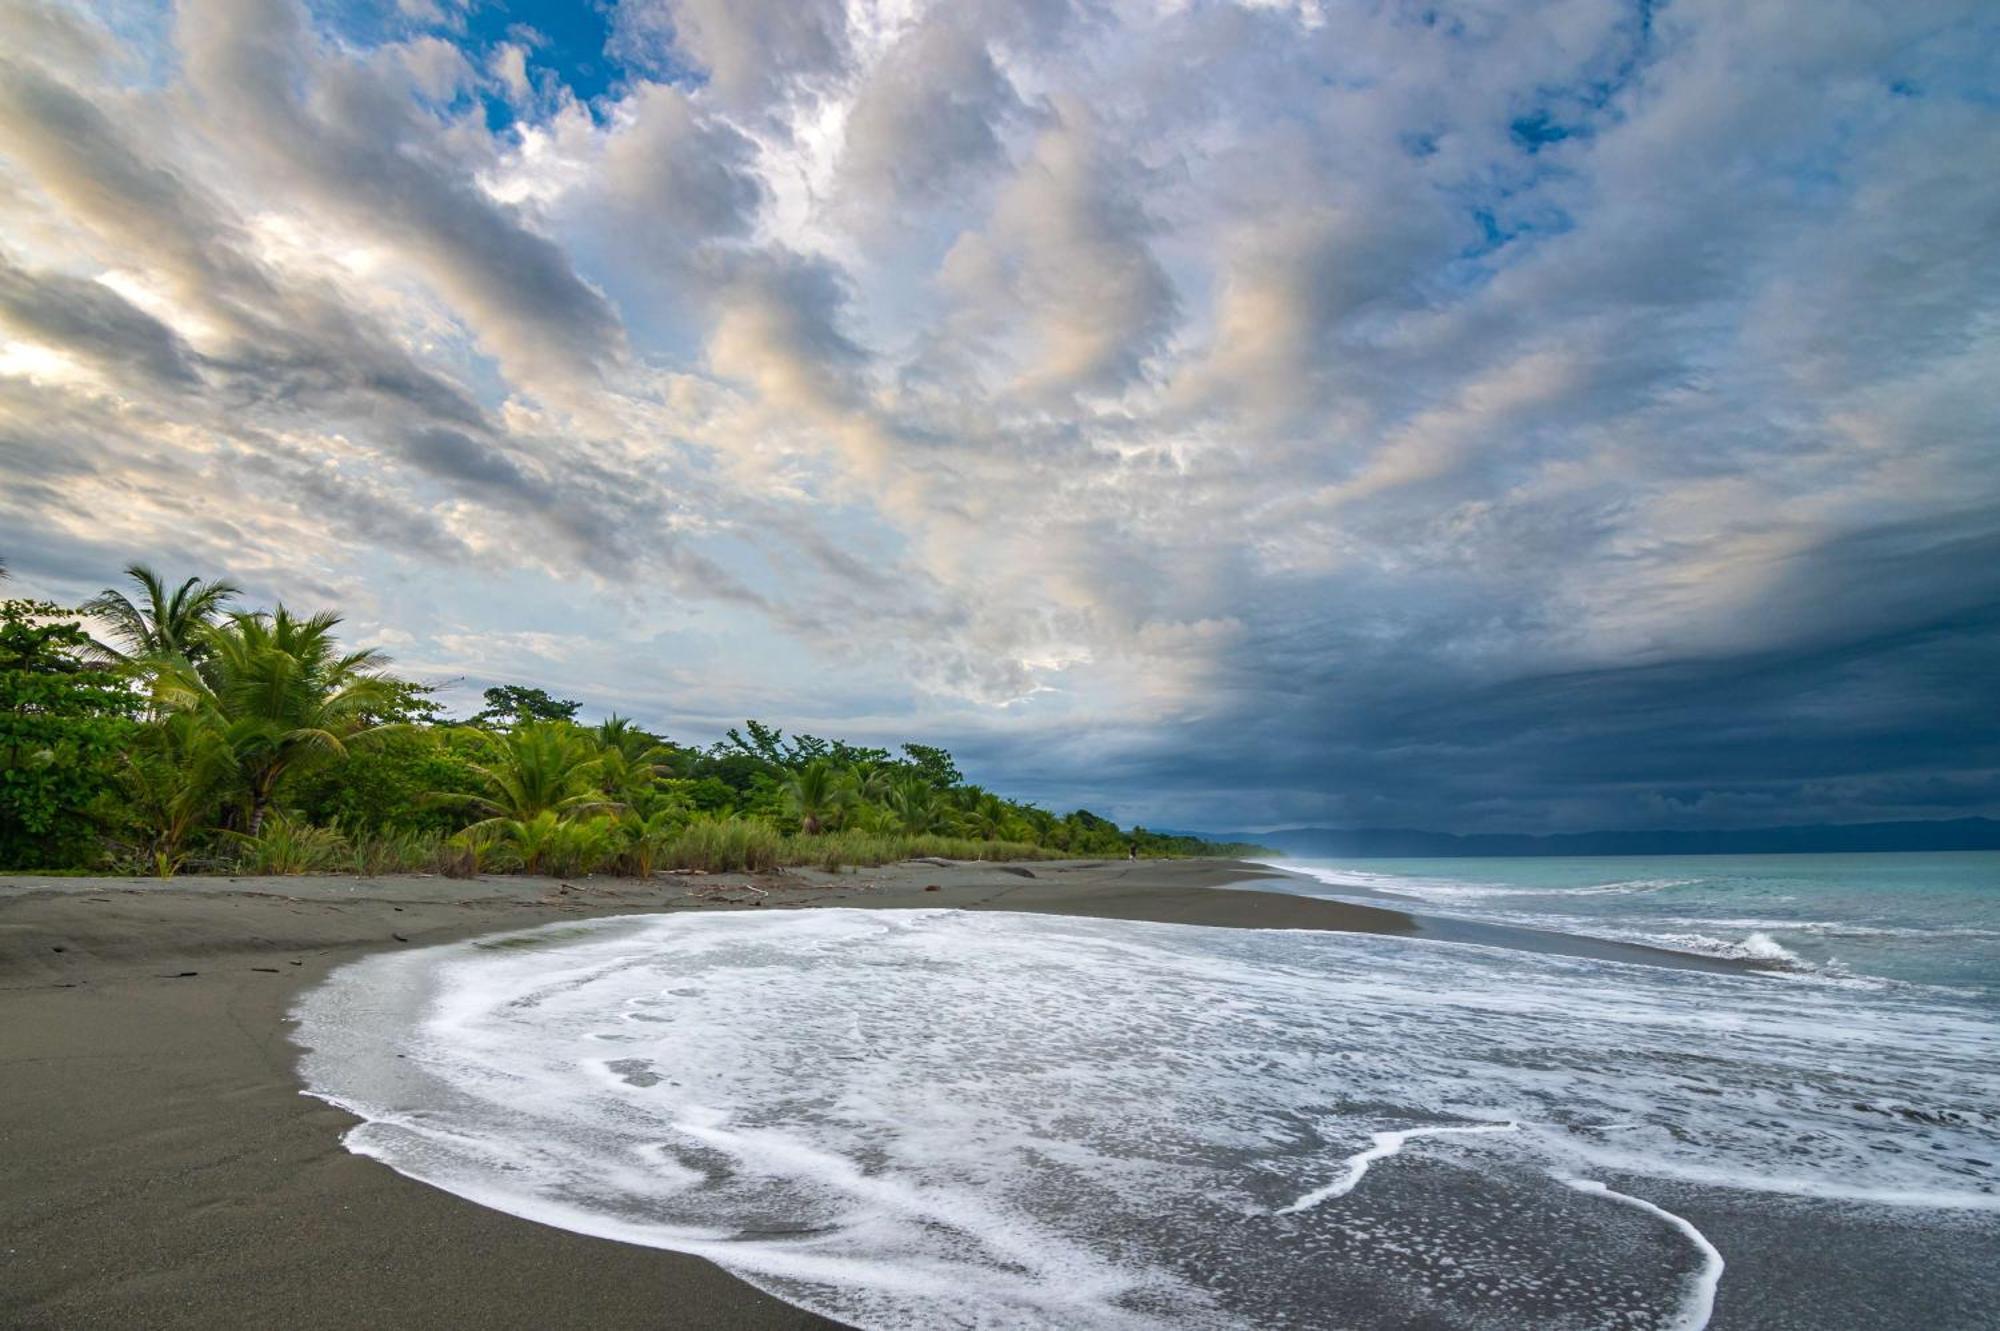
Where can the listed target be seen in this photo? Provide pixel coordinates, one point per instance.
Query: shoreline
(163, 1166)
(160, 1164)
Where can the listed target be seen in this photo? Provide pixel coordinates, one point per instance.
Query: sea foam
(934, 1118)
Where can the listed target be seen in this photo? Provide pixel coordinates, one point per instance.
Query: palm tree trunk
(260, 804)
(261, 786)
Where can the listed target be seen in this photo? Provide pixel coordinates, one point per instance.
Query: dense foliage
(204, 737)
(64, 724)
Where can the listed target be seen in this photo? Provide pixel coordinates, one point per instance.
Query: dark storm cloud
(1870, 692)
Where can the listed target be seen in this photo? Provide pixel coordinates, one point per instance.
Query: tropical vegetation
(165, 728)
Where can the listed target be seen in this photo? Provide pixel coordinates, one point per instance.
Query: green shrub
(63, 723)
(389, 786)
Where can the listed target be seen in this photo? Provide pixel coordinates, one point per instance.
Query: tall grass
(724, 845)
(737, 845)
(837, 850)
(393, 851)
(578, 846)
(288, 845)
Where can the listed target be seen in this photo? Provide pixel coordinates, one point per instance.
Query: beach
(162, 1168)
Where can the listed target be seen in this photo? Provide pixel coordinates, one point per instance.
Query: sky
(1473, 416)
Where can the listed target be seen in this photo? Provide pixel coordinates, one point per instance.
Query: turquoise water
(1923, 919)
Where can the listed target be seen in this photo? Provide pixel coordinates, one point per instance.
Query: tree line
(163, 728)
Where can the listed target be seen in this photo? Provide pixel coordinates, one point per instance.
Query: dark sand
(160, 1168)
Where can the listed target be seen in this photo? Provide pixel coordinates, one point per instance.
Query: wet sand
(159, 1166)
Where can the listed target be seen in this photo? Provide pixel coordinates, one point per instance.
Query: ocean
(931, 1118)
(1921, 919)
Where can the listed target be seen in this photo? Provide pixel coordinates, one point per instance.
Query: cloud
(676, 177)
(346, 132)
(92, 320)
(1062, 277)
(753, 51)
(928, 115)
(1470, 417)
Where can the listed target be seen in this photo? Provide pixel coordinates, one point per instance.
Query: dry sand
(160, 1168)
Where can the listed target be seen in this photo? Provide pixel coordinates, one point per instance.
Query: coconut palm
(814, 794)
(1036, 825)
(984, 814)
(642, 837)
(631, 761)
(873, 819)
(866, 782)
(625, 735)
(281, 693)
(917, 806)
(537, 767)
(161, 625)
(550, 843)
(624, 779)
(170, 784)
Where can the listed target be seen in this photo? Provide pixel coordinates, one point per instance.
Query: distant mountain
(1813, 838)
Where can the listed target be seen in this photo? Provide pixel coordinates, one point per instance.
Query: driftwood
(722, 893)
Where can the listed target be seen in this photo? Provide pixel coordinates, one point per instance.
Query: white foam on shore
(1453, 891)
(1703, 1284)
(1491, 903)
(1878, 950)
(1755, 946)
(933, 1118)
(1384, 1145)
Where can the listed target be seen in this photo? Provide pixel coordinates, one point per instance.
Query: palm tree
(917, 807)
(866, 782)
(644, 836)
(537, 767)
(167, 625)
(1036, 825)
(985, 814)
(632, 760)
(550, 843)
(814, 794)
(873, 819)
(170, 785)
(281, 693)
(625, 735)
